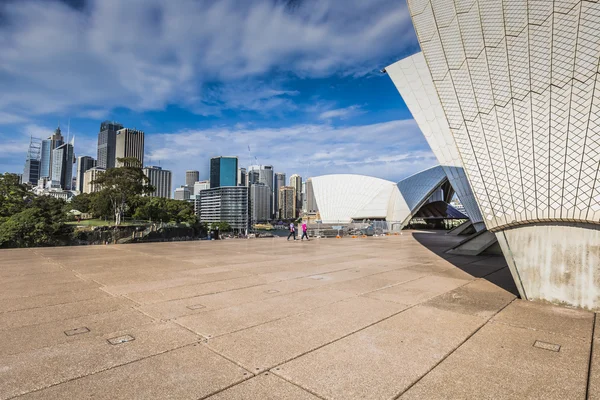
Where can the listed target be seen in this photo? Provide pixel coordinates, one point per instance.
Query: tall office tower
(31, 172)
(223, 171)
(182, 193)
(48, 145)
(160, 179)
(225, 204)
(107, 144)
(83, 164)
(88, 180)
(260, 203)
(265, 175)
(279, 183)
(201, 185)
(311, 201)
(303, 196)
(62, 166)
(191, 177)
(242, 179)
(287, 202)
(129, 144)
(253, 177)
(296, 183)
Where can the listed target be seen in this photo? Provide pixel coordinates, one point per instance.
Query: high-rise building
(260, 203)
(201, 185)
(296, 183)
(253, 177)
(223, 171)
(160, 179)
(182, 193)
(242, 179)
(225, 204)
(107, 144)
(265, 175)
(129, 144)
(279, 183)
(31, 172)
(83, 164)
(62, 166)
(311, 201)
(89, 177)
(48, 145)
(191, 177)
(287, 202)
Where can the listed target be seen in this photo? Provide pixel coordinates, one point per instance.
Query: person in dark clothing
(292, 231)
(304, 231)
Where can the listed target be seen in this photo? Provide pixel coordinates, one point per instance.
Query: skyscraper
(129, 144)
(62, 166)
(191, 177)
(265, 175)
(242, 179)
(296, 182)
(182, 193)
(48, 145)
(83, 164)
(107, 144)
(279, 183)
(160, 179)
(260, 203)
(201, 185)
(311, 201)
(31, 172)
(223, 171)
(225, 204)
(287, 202)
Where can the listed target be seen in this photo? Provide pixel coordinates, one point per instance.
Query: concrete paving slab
(383, 360)
(480, 298)
(594, 374)
(192, 290)
(191, 372)
(378, 281)
(503, 278)
(39, 288)
(35, 316)
(417, 291)
(264, 346)
(549, 318)
(500, 362)
(25, 372)
(28, 338)
(231, 319)
(265, 386)
(51, 299)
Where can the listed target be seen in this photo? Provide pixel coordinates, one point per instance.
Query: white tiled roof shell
(413, 80)
(517, 81)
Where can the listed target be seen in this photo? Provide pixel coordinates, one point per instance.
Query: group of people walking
(293, 231)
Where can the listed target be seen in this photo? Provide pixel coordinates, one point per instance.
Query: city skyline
(309, 107)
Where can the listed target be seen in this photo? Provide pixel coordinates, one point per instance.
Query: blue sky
(297, 80)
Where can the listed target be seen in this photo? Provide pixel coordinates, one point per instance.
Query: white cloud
(390, 150)
(341, 113)
(146, 54)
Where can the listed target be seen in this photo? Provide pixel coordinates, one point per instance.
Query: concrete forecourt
(368, 318)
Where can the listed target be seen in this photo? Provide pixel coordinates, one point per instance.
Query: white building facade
(517, 83)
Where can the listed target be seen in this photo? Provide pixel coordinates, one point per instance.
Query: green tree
(81, 202)
(123, 185)
(100, 206)
(13, 196)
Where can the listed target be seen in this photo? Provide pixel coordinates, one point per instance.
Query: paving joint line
(101, 370)
(451, 352)
(589, 374)
(298, 386)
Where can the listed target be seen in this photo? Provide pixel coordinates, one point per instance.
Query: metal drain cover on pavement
(121, 339)
(77, 331)
(546, 346)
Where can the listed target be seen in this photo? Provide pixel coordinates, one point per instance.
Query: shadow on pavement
(493, 268)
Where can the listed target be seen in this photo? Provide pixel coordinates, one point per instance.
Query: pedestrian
(292, 231)
(304, 231)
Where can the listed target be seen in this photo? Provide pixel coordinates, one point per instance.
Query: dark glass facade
(107, 144)
(223, 171)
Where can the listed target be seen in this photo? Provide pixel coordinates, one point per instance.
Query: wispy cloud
(341, 113)
(146, 54)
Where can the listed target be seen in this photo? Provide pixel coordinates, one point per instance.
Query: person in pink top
(304, 231)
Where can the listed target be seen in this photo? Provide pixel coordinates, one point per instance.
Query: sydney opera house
(505, 94)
